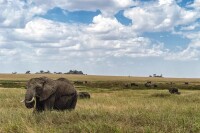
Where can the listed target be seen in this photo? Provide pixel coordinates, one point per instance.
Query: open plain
(112, 108)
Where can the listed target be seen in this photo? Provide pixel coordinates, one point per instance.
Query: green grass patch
(12, 84)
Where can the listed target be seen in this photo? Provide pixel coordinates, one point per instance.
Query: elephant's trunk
(29, 99)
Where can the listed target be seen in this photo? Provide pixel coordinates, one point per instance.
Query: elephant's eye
(38, 89)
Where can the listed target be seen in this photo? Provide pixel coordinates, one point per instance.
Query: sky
(101, 37)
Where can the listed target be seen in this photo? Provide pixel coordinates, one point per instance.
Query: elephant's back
(66, 88)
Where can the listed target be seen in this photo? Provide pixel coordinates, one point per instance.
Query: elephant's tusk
(22, 101)
(30, 100)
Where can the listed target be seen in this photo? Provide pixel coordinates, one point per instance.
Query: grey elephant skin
(174, 90)
(50, 94)
(83, 95)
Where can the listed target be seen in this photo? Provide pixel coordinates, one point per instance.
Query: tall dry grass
(107, 111)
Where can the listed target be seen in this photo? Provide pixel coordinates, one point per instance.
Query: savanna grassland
(112, 108)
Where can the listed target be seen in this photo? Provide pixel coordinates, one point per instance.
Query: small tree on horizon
(74, 72)
(41, 71)
(28, 72)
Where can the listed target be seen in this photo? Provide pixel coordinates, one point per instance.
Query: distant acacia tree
(159, 76)
(28, 72)
(41, 71)
(47, 72)
(57, 72)
(74, 72)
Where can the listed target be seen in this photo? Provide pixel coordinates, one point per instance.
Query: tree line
(48, 72)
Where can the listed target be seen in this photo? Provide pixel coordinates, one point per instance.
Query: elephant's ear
(48, 89)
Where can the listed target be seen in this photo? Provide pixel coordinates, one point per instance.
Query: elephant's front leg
(49, 103)
(39, 105)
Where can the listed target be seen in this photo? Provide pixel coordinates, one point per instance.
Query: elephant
(47, 94)
(83, 95)
(174, 90)
(134, 84)
(147, 84)
(78, 82)
(155, 85)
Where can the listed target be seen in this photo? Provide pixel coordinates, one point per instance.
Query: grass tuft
(161, 95)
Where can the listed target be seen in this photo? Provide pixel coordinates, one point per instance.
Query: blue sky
(107, 37)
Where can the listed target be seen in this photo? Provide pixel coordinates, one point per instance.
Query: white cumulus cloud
(160, 16)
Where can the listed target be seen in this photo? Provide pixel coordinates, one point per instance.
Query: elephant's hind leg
(66, 102)
(61, 103)
(74, 101)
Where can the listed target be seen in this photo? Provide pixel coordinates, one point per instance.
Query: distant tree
(48, 72)
(155, 75)
(74, 72)
(41, 71)
(28, 72)
(57, 72)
